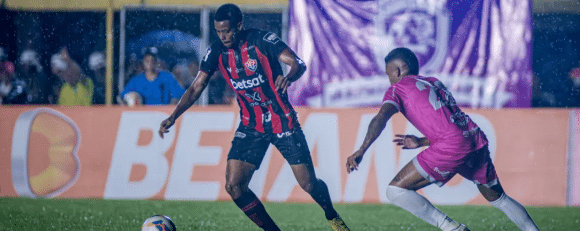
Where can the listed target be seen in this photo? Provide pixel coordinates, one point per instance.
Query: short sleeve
(209, 62)
(270, 43)
(391, 97)
(131, 86)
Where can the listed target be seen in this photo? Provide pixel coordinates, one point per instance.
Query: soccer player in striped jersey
(249, 60)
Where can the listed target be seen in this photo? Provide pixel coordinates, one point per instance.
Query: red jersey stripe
(275, 118)
(268, 71)
(258, 112)
(245, 114)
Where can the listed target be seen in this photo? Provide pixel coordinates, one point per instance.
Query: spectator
(30, 72)
(219, 92)
(183, 74)
(77, 88)
(154, 86)
(97, 66)
(574, 76)
(12, 91)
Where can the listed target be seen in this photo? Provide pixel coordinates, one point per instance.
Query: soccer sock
(515, 211)
(254, 209)
(419, 206)
(322, 197)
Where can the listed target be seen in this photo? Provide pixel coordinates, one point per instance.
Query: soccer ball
(133, 98)
(158, 223)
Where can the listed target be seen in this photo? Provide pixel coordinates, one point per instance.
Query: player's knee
(308, 186)
(394, 192)
(234, 189)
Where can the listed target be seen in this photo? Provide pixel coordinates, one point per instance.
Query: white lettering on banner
(188, 154)
(127, 153)
(320, 128)
(472, 91)
(466, 190)
(383, 151)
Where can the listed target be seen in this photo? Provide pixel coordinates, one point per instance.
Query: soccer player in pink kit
(456, 145)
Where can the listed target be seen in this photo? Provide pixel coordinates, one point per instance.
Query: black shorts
(250, 146)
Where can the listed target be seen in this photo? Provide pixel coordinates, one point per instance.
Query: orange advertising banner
(115, 152)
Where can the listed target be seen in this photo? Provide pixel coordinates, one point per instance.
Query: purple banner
(481, 50)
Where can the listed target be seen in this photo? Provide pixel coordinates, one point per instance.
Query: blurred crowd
(150, 80)
(58, 58)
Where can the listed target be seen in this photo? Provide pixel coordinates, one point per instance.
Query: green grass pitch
(98, 214)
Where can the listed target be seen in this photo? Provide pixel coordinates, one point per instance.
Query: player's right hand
(353, 161)
(407, 141)
(165, 125)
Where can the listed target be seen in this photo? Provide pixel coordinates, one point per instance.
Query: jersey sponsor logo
(247, 83)
(442, 173)
(240, 135)
(283, 134)
(251, 64)
(250, 47)
(263, 104)
(271, 38)
(238, 70)
(255, 96)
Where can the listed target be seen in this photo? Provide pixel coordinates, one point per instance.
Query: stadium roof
(539, 6)
(91, 5)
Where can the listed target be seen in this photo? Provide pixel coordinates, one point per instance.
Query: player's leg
(295, 150)
(402, 193)
(490, 188)
(513, 209)
(307, 180)
(248, 150)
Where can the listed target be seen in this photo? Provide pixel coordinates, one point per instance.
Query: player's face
(226, 32)
(149, 63)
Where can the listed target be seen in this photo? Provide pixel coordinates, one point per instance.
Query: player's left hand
(165, 125)
(353, 161)
(282, 83)
(407, 141)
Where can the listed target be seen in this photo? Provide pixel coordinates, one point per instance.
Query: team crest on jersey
(251, 64)
(421, 27)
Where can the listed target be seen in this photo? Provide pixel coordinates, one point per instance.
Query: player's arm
(376, 126)
(411, 141)
(189, 97)
(297, 69)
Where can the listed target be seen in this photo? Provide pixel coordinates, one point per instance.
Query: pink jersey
(427, 104)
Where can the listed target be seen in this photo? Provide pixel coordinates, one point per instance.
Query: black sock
(322, 197)
(254, 209)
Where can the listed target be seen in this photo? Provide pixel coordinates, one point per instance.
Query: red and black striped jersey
(251, 71)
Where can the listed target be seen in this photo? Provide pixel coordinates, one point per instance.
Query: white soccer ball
(158, 223)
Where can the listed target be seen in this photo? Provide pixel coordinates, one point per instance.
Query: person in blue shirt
(156, 87)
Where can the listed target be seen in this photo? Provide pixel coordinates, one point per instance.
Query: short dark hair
(229, 12)
(405, 55)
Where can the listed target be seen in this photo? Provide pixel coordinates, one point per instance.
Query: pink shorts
(476, 166)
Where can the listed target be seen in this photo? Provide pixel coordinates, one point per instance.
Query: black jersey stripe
(268, 72)
(244, 113)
